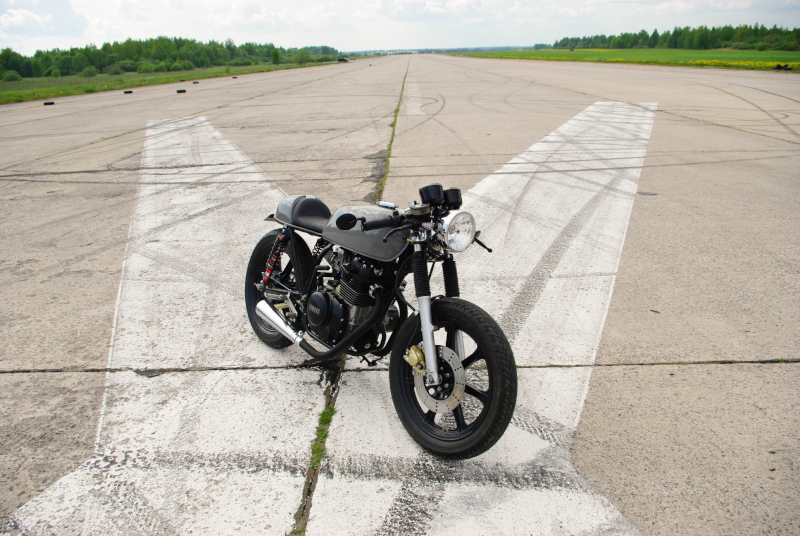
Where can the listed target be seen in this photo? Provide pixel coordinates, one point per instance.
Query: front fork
(423, 290)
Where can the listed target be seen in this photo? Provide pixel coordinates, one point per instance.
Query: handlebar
(381, 223)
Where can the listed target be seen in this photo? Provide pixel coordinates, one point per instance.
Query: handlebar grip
(381, 223)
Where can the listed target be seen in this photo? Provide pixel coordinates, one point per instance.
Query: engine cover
(326, 317)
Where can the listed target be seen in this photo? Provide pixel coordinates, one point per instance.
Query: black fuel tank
(369, 243)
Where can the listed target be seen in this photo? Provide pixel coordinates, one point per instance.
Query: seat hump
(311, 213)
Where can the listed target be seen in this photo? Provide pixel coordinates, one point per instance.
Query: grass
(318, 446)
(317, 452)
(29, 89)
(727, 59)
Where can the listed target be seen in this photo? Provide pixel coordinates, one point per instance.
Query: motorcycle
(452, 374)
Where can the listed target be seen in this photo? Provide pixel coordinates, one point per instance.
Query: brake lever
(481, 244)
(404, 227)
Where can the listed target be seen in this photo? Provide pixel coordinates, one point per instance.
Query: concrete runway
(707, 278)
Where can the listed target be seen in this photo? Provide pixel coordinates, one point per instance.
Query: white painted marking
(556, 218)
(203, 452)
(223, 452)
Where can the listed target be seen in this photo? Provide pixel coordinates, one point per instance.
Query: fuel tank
(369, 243)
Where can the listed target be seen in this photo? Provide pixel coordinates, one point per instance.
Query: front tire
(489, 397)
(256, 267)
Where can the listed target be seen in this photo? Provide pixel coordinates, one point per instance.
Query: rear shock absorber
(274, 262)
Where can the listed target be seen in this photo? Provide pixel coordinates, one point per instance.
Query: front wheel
(469, 411)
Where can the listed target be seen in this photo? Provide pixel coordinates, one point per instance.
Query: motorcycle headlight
(458, 230)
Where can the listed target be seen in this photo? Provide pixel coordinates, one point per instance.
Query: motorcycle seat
(310, 213)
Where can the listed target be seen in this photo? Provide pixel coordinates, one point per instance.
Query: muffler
(266, 312)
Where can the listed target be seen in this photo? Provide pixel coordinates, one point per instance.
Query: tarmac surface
(667, 407)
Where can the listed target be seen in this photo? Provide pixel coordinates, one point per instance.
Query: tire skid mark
(546, 429)
(547, 471)
(413, 508)
(756, 106)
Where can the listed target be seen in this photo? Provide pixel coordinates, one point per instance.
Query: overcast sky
(351, 25)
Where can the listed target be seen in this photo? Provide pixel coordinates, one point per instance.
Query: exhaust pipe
(266, 312)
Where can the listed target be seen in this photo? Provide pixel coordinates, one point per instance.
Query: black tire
(255, 269)
(488, 404)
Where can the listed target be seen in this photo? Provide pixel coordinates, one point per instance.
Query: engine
(345, 302)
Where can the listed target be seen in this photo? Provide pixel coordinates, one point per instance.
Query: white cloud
(367, 24)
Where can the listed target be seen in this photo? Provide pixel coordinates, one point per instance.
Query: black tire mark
(754, 105)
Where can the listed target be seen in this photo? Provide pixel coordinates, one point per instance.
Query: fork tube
(423, 289)
(450, 274)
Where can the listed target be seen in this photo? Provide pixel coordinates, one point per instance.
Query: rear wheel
(469, 411)
(285, 276)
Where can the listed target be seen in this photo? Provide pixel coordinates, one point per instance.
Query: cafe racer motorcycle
(452, 374)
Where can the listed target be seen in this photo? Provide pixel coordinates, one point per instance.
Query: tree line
(152, 55)
(743, 37)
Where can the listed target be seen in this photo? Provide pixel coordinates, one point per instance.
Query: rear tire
(255, 268)
(484, 412)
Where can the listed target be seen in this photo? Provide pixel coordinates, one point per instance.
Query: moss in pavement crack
(331, 376)
(382, 183)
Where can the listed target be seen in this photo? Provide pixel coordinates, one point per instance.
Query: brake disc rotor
(448, 394)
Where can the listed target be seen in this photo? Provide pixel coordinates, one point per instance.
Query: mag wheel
(285, 277)
(471, 408)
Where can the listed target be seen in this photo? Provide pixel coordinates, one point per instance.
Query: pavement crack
(382, 182)
(330, 376)
(153, 372)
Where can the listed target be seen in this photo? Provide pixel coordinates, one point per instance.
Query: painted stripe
(203, 452)
(556, 217)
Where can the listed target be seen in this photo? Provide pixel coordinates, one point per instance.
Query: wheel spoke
(469, 360)
(430, 417)
(461, 424)
(480, 395)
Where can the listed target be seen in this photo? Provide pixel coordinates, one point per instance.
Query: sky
(353, 25)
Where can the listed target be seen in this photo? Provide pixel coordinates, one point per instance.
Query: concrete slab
(716, 455)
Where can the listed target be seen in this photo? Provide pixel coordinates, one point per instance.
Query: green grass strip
(725, 59)
(382, 183)
(29, 89)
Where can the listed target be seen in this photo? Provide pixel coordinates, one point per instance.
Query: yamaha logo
(313, 309)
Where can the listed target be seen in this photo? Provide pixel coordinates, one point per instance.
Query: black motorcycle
(455, 396)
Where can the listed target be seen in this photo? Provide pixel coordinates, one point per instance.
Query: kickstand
(370, 362)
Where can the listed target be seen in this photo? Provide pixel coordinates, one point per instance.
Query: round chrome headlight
(458, 230)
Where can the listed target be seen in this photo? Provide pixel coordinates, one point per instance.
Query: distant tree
(14, 63)
(11, 76)
(653, 41)
(55, 73)
(701, 39)
(79, 63)
(111, 59)
(27, 69)
(37, 68)
(89, 71)
(231, 46)
(276, 56)
(65, 64)
(301, 56)
(115, 70)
